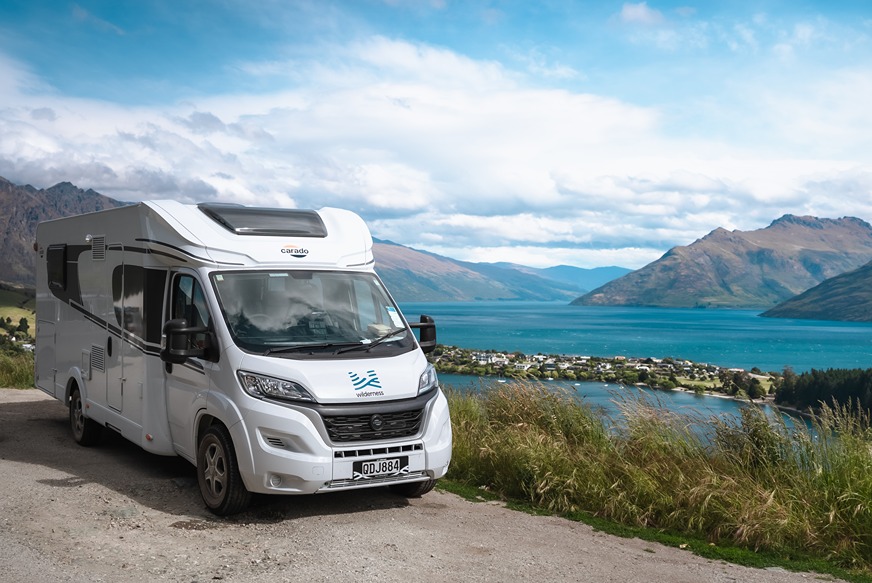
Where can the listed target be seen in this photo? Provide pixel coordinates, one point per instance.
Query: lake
(729, 338)
(604, 397)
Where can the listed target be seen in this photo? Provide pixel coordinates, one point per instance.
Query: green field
(17, 304)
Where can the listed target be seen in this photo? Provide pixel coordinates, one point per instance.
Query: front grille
(350, 428)
(372, 451)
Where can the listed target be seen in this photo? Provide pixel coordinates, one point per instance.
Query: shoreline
(765, 401)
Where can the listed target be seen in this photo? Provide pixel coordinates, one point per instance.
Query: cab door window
(189, 303)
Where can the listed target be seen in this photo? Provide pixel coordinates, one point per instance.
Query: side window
(128, 298)
(56, 258)
(189, 304)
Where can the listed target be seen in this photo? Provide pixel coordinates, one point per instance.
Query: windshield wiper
(367, 346)
(305, 347)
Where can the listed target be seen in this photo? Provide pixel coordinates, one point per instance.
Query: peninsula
(659, 373)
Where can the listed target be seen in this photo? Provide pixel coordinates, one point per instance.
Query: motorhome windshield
(305, 314)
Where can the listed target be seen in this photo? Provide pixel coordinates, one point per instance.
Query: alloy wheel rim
(214, 474)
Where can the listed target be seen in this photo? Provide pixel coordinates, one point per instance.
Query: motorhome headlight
(264, 386)
(428, 380)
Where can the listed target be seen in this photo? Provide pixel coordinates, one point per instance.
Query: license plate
(383, 467)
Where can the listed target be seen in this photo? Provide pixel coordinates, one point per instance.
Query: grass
(15, 304)
(749, 486)
(16, 370)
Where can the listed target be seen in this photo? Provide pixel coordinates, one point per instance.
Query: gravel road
(116, 513)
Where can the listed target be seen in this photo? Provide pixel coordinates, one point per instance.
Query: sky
(540, 133)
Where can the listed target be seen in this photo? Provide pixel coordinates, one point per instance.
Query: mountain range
(797, 267)
(744, 269)
(411, 275)
(22, 208)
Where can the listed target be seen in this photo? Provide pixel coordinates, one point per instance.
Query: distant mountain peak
(748, 269)
(811, 222)
(410, 274)
(23, 207)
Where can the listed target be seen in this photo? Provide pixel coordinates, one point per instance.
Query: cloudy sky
(587, 133)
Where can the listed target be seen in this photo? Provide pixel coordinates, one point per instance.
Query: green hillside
(17, 303)
(847, 297)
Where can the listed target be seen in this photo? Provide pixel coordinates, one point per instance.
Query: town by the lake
(656, 373)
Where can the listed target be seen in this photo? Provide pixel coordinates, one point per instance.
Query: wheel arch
(75, 380)
(236, 429)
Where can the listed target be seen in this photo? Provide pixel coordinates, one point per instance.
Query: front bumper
(285, 449)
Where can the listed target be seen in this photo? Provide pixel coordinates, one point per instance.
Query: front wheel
(85, 431)
(218, 473)
(413, 489)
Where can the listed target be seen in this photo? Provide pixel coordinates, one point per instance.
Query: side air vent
(98, 248)
(98, 358)
(275, 442)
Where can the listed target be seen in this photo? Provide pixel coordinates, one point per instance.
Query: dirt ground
(116, 513)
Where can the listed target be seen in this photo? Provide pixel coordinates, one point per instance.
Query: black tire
(85, 431)
(413, 489)
(218, 473)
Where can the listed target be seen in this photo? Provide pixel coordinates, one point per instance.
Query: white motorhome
(259, 344)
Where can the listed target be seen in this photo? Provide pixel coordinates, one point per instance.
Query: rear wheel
(85, 431)
(413, 489)
(218, 473)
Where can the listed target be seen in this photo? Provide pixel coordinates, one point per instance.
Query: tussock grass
(16, 370)
(751, 481)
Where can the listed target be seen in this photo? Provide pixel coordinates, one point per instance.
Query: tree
(755, 389)
(787, 388)
(23, 326)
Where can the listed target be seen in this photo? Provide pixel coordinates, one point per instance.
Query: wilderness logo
(367, 380)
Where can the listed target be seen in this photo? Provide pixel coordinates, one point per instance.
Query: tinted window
(56, 259)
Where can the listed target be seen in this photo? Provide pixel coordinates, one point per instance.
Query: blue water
(605, 397)
(729, 338)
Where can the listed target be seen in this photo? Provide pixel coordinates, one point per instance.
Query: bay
(727, 338)
(605, 397)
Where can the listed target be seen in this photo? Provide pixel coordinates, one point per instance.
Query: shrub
(16, 369)
(752, 480)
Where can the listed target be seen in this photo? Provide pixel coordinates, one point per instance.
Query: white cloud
(463, 156)
(640, 13)
(537, 63)
(629, 257)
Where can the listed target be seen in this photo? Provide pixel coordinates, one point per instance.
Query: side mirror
(427, 330)
(183, 342)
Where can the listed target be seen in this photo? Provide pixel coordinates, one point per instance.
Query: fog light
(275, 481)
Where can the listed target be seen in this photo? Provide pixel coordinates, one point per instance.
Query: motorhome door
(188, 382)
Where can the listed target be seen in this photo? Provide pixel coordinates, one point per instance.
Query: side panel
(93, 275)
(88, 271)
(45, 356)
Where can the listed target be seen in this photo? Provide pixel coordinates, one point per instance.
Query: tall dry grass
(16, 370)
(752, 480)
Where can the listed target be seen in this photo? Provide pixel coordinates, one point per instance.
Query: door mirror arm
(427, 330)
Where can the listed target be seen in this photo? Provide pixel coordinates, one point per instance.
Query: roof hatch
(245, 220)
